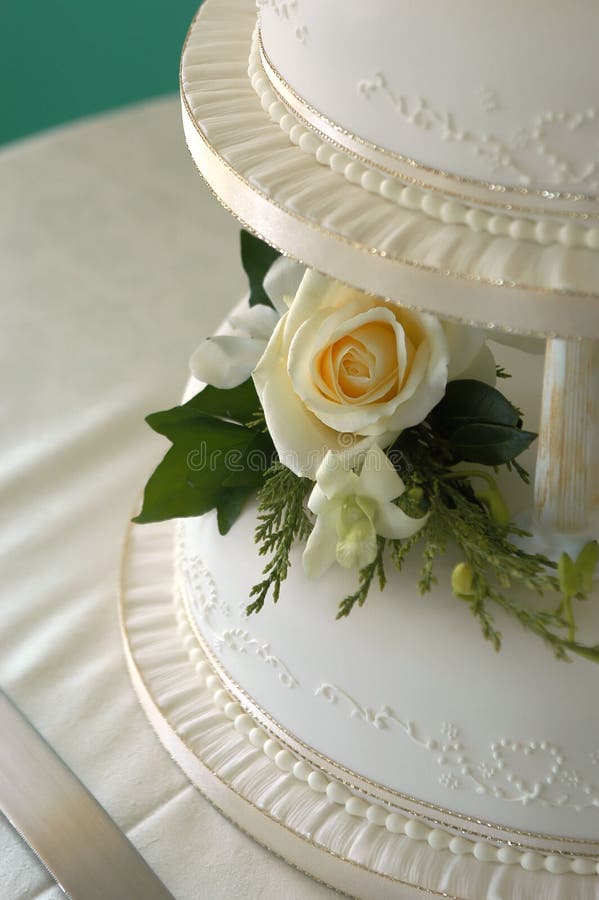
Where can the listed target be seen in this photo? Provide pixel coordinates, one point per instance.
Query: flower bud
(415, 495)
(586, 564)
(568, 576)
(462, 580)
(495, 504)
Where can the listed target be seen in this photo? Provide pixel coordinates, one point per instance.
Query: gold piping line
(135, 669)
(544, 193)
(291, 742)
(373, 251)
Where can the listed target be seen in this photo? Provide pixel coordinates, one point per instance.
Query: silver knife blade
(74, 837)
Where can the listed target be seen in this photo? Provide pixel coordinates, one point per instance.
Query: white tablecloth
(114, 262)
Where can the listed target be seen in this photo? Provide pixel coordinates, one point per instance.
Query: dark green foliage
(257, 257)
(478, 424)
(216, 460)
(282, 520)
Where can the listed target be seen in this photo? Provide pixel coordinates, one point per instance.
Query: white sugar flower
(352, 509)
(227, 360)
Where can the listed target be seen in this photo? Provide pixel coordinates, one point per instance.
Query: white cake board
(211, 739)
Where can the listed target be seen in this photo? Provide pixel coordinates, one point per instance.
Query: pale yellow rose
(343, 368)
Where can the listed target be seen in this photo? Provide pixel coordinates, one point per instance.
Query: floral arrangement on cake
(367, 430)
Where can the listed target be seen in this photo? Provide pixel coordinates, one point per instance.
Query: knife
(73, 836)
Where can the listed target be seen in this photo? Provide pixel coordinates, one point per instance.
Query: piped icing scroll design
(516, 770)
(542, 138)
(213, 612)
(288, 11)
(241, 640)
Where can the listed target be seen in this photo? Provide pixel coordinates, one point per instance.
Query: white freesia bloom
(352, 509)
(342, 364)
(227, 360)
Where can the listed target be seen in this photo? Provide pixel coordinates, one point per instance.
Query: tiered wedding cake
(443, 162)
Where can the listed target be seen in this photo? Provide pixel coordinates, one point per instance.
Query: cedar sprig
(366, 578)
(282, 520)
(496, 563)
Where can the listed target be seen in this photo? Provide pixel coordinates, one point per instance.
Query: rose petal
(482, 367)
(426, 383)
(427, 373)
(226, 361)
(308, 299)
(301, 440)
(464, 343)
(318, 291)
(380, 348)
(282, 281)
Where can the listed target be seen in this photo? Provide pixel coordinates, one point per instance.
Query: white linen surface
(114, 262)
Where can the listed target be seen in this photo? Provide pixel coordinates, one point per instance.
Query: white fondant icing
(288, 11)
(336, 793)
(504, 94)
(549, 780)
(501, 154)
(214, 612)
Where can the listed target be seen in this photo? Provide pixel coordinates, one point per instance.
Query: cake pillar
(566, 479)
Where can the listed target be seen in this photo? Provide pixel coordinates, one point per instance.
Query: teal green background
(63, 59)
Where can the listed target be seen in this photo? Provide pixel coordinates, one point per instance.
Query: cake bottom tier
(306, 809)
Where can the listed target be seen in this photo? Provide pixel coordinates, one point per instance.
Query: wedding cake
(386, 635)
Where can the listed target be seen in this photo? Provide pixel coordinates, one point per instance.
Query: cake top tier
(439, 155)
(505, 94)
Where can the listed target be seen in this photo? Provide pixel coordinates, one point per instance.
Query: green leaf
(247, 468)
(249, 477)
(193, 477)
(489, 445)
(257, 257)
(467, 401)
(171, 493)
(229, 506)
(239, 404)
